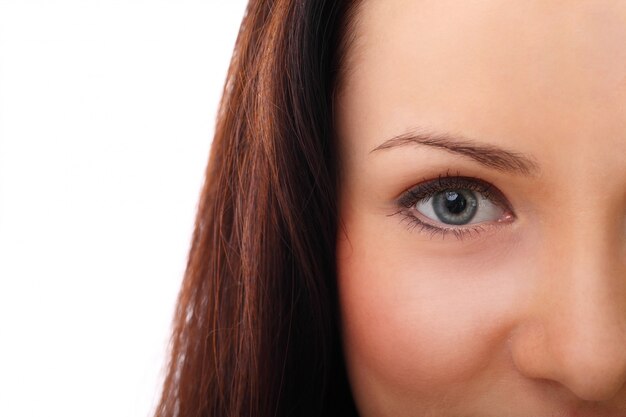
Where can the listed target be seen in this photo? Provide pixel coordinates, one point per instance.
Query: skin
(526, 314)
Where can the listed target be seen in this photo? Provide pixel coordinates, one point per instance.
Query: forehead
(516, 70)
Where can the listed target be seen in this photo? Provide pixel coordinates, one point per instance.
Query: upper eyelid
(428, 188)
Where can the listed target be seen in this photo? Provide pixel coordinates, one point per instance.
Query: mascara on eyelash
(428, 188)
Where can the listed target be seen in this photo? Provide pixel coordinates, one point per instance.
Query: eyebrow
(487, 155)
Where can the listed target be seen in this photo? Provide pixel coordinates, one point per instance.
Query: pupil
(455, 203)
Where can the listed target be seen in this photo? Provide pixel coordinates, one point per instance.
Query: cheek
(417, 323)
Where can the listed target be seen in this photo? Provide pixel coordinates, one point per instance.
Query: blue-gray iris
(455, 206)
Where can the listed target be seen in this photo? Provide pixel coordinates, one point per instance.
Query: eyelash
(428, 188)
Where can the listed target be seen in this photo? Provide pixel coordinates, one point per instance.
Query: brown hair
(255, 331)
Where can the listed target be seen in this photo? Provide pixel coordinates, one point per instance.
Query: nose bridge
(584, 306)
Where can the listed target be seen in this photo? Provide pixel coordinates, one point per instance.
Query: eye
(461, 205)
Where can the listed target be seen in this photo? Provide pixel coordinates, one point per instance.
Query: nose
(574, 330)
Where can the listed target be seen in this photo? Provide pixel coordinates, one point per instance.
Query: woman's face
(482, 244)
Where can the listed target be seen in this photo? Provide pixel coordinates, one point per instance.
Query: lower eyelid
(432, 231)
(412, 219)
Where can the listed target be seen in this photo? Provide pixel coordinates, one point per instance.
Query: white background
(107, 109)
